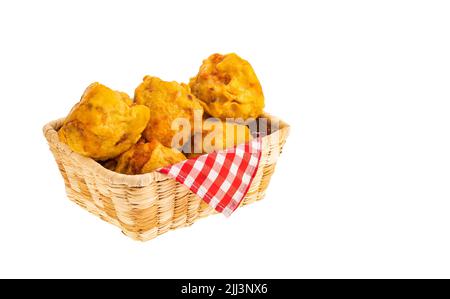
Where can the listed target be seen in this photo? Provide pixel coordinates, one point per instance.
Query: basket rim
(137, 180)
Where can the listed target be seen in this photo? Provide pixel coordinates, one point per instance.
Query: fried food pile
(228, 87)
(141, 135)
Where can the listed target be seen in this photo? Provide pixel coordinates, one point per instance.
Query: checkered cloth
(220, 178)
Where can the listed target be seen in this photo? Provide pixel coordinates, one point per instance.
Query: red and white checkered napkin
(220, 178)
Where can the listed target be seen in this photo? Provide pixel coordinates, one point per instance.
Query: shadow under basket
(147, 205)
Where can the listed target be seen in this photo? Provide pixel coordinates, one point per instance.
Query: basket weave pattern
(145, 206)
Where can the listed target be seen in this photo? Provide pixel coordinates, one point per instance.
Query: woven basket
(145, 206)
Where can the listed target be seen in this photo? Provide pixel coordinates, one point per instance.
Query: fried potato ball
(145, 157)
(227, 87)
(104, 123)
(217, 135)
(167, 101)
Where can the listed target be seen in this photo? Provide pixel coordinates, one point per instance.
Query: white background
(361, 190)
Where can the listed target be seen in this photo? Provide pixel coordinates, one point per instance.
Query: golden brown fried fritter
(104, 123)
(145, 157)
(167, 101)
(227, 87)
(217, 135)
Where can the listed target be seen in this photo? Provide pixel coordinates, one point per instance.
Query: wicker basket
(145, 206)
